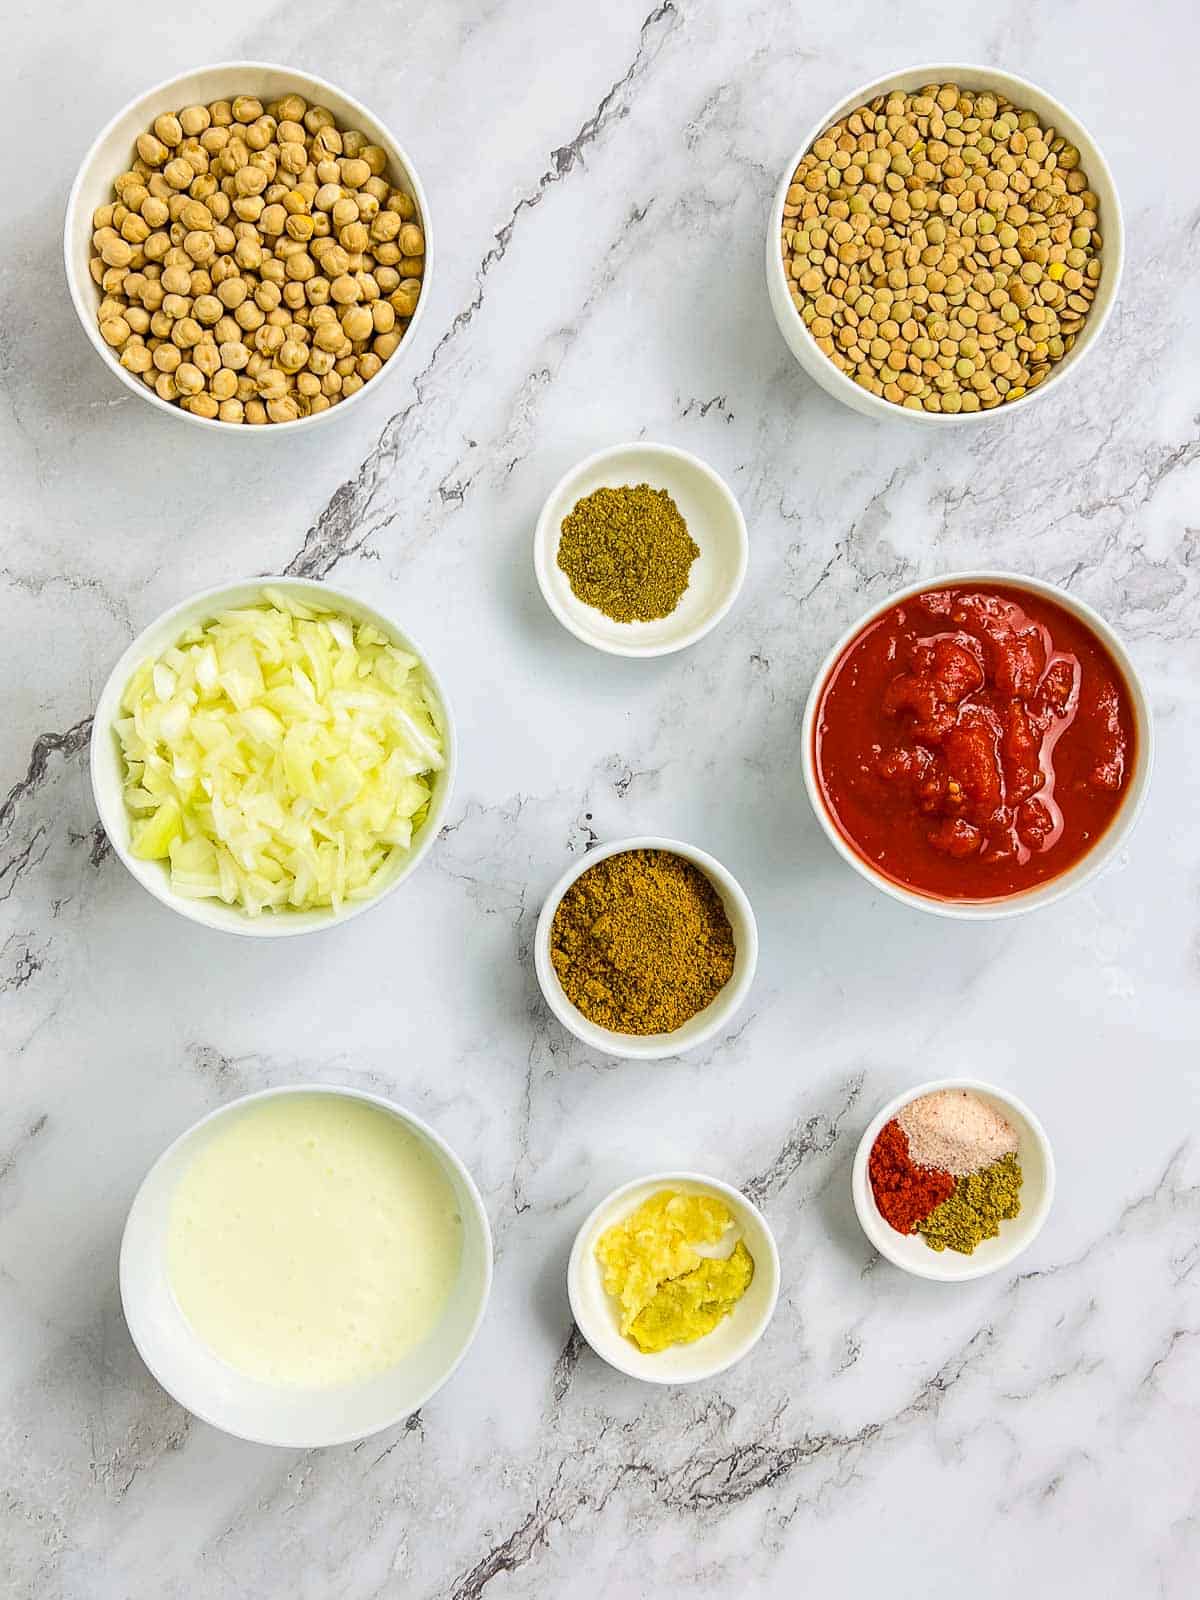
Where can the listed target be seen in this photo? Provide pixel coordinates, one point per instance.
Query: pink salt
(956, 1131)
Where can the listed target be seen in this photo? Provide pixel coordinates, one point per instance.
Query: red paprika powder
(904, 1192)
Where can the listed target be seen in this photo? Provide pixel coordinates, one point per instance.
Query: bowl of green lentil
(640, 550)
(947, 242)
(1018, 1188)
(646, 948)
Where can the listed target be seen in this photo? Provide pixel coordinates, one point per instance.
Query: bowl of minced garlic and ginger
(673, 1277)
(646, 948)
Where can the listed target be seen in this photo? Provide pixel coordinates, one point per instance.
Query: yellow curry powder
(641, 942)
(667, 1291)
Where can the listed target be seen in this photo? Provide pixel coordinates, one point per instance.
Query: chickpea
(411, 240)
(358, 323)
(155, 211)
(234, 355)
(136, 358)
(151, 150)
(169, 129)
(167, 358)
(256, 413)
(194, 120)
(164, 387)
(248, 317)
(231, 411)
(202, 405)
(354, 236)
(246, 108)
(115, 331)
(207, 309)
(179, 173)
(376, 158)
(186, 333)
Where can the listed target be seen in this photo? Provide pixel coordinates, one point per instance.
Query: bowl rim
(638, 1046)
(158, 884)
(87, 312)
(1102, 852)
(384, 1103)
(612, 1200)
(864, 1201)
(545, 544)
(1009, 83)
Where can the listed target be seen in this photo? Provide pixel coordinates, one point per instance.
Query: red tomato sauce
(974, 741)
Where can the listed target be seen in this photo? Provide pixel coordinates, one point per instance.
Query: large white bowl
(714, 520)
(301, 1418)
(596, 1312)
(705, 1024)
(113, 150)
(1024, 95)
(108, 763)
(1087, 867)
(909, 1250)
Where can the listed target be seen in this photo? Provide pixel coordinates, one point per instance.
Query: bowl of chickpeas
(944, 245)
(248, 247)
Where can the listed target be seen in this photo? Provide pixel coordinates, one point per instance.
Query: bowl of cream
(305, 1266)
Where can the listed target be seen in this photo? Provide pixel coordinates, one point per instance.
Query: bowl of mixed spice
(953, 1179)
(640, 550)
(646, 948)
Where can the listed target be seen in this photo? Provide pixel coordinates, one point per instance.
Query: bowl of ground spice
(646, 948)
(640, 550)
(953, 1179)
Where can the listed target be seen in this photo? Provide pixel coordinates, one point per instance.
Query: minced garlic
(668, 1292)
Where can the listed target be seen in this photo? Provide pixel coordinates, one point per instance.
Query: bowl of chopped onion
(272, 756)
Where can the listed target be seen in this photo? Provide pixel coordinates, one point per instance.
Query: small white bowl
(909, 1250)
(597, 1315)
(697, 1030)
(1024, 95)
(108, 762)
(714, 521)
(113, 150)
(1106, 848)
(266, 1413)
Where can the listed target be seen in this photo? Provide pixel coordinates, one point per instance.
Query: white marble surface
(600, 180)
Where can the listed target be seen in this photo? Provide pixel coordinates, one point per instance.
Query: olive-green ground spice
(627, 552)
(980, 1203)
(641, 942)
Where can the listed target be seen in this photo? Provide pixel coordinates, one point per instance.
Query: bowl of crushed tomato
(978, 745)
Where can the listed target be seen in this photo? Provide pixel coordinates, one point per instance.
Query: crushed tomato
(975, 741)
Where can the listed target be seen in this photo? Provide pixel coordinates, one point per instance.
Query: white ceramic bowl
(1026, 96)
(113, 151)
(714, 521)
(705, 1024)
(596, 1312)
(948, 1266)
(108, 763)
(276, 1414)
(1106, 848)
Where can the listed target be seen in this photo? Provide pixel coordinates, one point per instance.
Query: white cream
(313, 1240)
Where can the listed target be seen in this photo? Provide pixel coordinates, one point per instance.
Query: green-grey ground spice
(980, 1203)
(627, 552)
